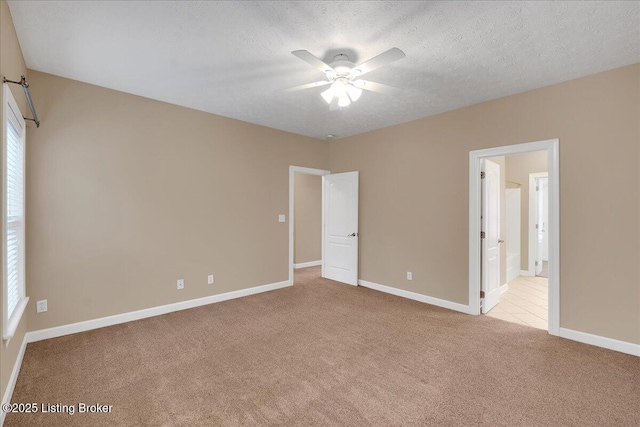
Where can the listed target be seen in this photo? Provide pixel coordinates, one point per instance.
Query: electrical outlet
(41, 306)
(180, 283)
(210, 279)
(409, 275)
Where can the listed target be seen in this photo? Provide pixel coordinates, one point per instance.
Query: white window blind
(14, 221)
(15, 217)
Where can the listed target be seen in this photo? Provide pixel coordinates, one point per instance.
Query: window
(13, 144)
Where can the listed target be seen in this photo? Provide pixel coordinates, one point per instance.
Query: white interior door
(513, 232)
(340, 216)
(543, 183)
(539, 227)
(491, 232)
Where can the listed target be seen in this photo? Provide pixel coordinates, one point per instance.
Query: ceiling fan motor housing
(341, 65)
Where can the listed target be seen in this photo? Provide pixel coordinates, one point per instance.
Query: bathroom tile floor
(526, 302)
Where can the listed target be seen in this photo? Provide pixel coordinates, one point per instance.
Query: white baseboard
(504, 288)
(88, 325)
(6, 397)
(526, 273)
(308, 264)
(600, 341)
(417, 297)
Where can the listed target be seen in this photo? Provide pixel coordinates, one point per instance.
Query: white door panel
(539, 225)
(541, 217)
(513, 232)
(544, 219)
(491, 229)
(340, 209)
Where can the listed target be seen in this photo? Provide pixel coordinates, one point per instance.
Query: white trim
(102, 322)
(8, 393)
(551, 146)
(307, 264)
(14, 321)
(526, 273)
(533, 216)
(416, 297)
(292, 171)
(600, 341)
(504, 288)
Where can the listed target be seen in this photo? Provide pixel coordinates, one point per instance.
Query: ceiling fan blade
(376, 62)
(334, 104)
(377, 87)
(310, 59)
(307, 86)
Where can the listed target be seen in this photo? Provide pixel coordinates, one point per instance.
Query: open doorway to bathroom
(523, 243)
(515, 202)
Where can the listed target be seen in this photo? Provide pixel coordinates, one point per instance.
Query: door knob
(353, 235)
(500, 241)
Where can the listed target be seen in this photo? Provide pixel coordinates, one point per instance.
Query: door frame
(292, 174)
(533, 217)
(552, 148)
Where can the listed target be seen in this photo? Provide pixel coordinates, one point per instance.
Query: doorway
(338, 226)
(305, 236)
(507, 292)
(497, 270)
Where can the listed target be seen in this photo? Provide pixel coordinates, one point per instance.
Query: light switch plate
(409, 275)
(281, 218)
(180, 283)
(210, 279)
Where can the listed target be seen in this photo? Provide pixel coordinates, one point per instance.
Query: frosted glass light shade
(354, 92)
(327, 95)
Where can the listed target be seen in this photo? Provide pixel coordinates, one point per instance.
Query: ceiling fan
(344, 77)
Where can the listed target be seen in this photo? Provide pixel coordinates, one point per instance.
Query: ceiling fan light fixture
(328, 95)
(353, 92)
(338, 86)
(344, 77)
(344, 100)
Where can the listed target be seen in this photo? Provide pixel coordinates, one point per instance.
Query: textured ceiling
(229, 58)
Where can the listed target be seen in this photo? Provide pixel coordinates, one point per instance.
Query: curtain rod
(25, 86)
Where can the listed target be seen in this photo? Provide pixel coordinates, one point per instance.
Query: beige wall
(307, 218)
(518, 168)
(126, 195)
(414, 195)
(11, 66)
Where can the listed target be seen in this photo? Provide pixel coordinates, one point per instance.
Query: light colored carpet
(325, 353)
